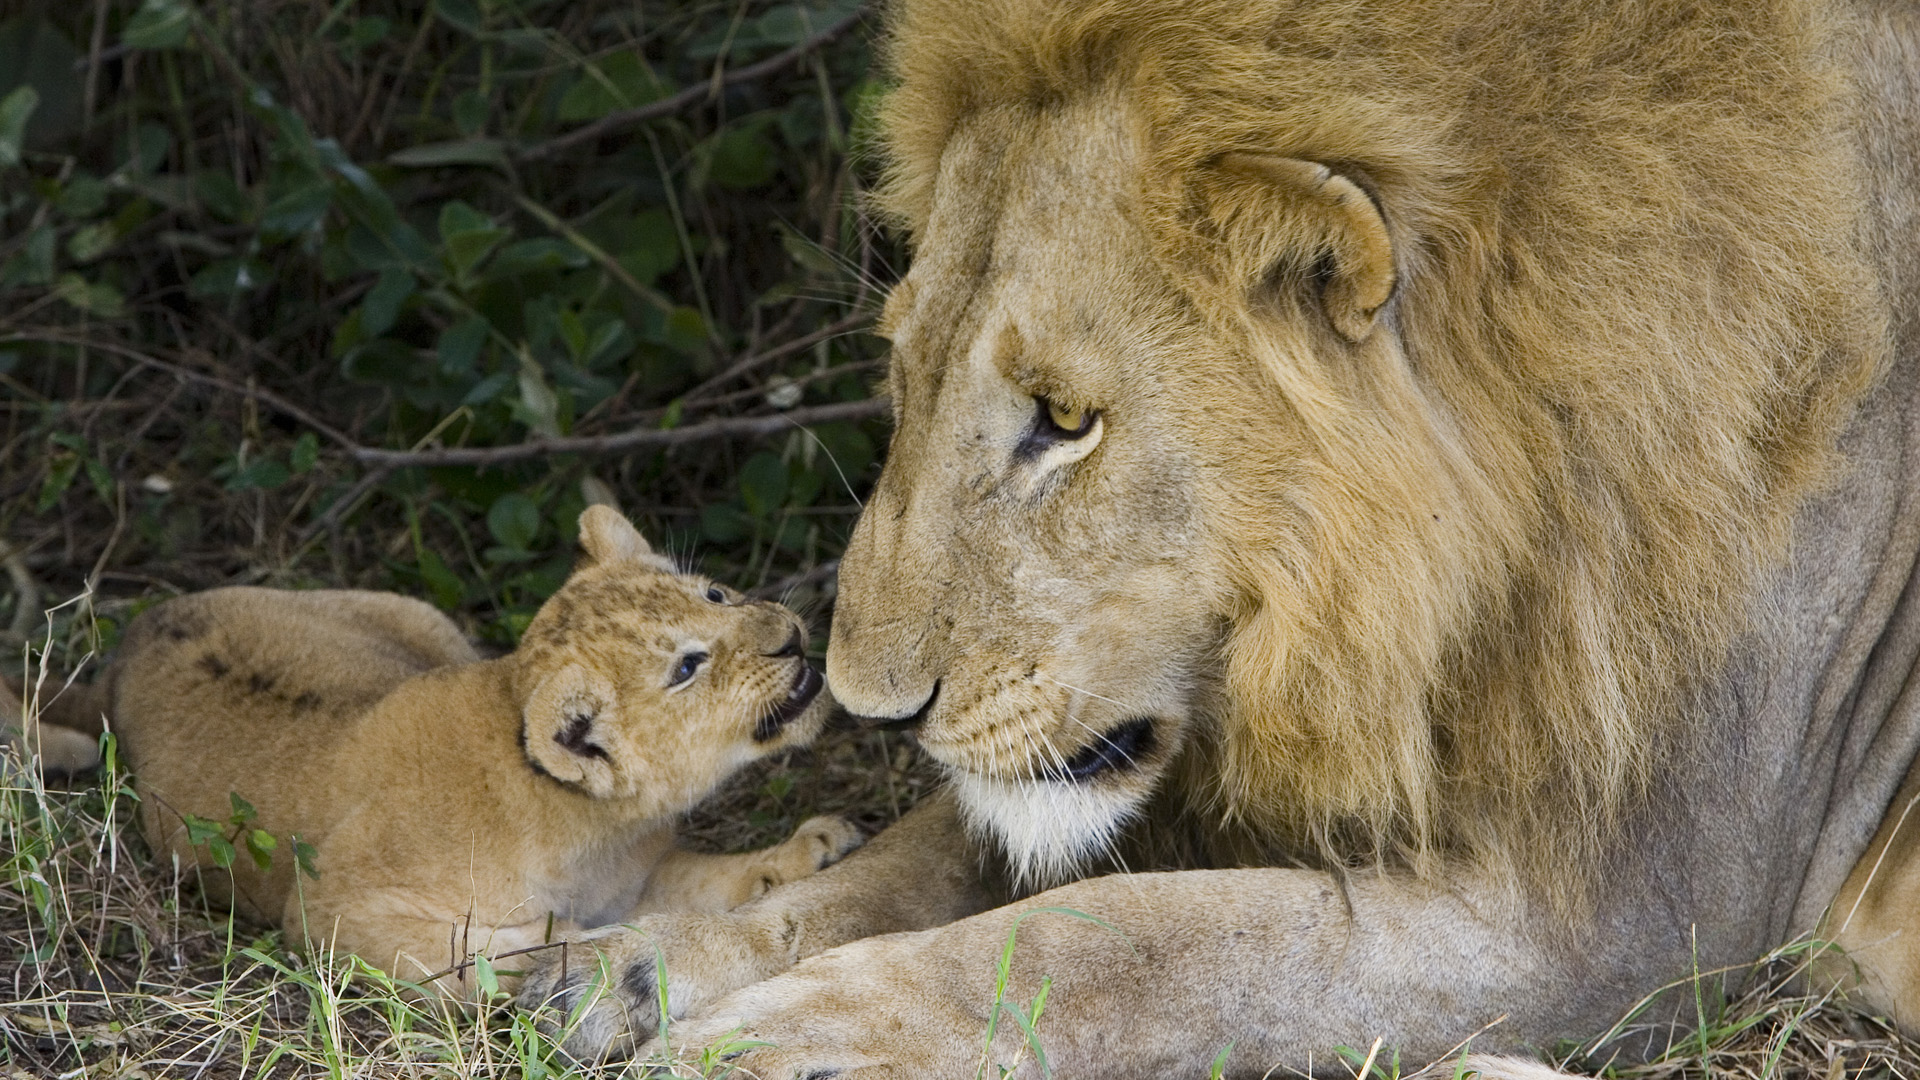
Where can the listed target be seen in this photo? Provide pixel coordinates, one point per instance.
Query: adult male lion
(1435, 476)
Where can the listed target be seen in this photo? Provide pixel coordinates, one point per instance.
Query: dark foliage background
(373, 293)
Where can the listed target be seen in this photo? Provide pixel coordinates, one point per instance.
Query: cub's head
(640, 682)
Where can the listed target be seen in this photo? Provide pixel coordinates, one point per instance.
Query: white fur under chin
(1049, 830)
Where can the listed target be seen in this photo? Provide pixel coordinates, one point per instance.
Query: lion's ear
(1297, 216)
(607, 536)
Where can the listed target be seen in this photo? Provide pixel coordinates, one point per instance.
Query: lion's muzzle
(1124, 747)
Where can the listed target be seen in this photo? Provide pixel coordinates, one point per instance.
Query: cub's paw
(818, 843)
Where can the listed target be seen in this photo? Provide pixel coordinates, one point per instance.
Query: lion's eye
(716, 594)
(685, 669)
(1069, 421)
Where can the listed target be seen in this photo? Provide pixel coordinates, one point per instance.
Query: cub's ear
(607, 536)
(1299, 221)
(568, 730)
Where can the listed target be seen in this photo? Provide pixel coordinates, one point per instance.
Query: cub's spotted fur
(460, 805)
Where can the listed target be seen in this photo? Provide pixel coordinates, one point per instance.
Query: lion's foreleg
(1152, 975)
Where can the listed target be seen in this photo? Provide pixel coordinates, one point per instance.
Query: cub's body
(458, 805)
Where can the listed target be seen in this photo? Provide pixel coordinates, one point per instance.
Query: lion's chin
(1049, 830)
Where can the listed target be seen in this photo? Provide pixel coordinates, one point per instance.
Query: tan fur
(460, 805)
(1875, 918)
(55, 749)
(1460, 603)
(1375, 460)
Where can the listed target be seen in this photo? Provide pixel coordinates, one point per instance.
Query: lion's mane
(1626, 337)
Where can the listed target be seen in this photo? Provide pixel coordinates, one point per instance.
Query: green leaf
(101, 479)
(34, 52)
(199, 829)
(260, 845)
(620, 81)
(243, 810)
(456, 152)
(686, 330)
(297, 210)
(649, 245)
(222, 851)
(89, 242)
(33, 263)
(445, 586)
(150, 144)
(1219, 1066)
(457, 216)
(763, 484)
(15, 110)
(228, 277)
(460, 14)
(264, 473)
(535, 256)
(159, 24)
(218, 192)
(470, 111)
(539, 406)
(303, 856)
(460, 344)
(488, 389)
(93, 298)
(741, 158)
(514, 520)
(82, 197)
(467, 236)
(382, 305)
(306, 452)
(484, 976)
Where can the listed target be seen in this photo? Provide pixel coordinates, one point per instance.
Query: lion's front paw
(589, 993)
(601, 993)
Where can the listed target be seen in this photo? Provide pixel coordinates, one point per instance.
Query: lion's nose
(795, 644)
(906, 722)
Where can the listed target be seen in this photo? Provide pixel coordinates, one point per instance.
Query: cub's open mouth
(806, 686)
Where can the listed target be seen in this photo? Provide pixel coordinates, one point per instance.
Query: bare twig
(785, 348)
(268, 398)
(692, 95)
(813, 576)
(723, 428)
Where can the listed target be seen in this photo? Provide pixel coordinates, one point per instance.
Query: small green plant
(224, 839)
(1027, 1016)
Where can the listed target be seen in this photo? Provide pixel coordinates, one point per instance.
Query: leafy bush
(362, 292)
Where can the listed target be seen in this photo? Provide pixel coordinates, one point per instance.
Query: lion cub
(457, 805)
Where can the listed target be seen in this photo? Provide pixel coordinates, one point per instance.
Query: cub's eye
(716, 594)
(1066, 421)
(685, 669)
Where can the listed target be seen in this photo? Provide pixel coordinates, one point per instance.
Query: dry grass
(113, 966)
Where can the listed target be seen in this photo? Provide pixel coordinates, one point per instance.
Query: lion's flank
(1626, 327)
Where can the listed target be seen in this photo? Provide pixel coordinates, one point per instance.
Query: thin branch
(785, 348)
(692, 95)
(723, 428)
(384, 460)
(265, 397)
(812, 576)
